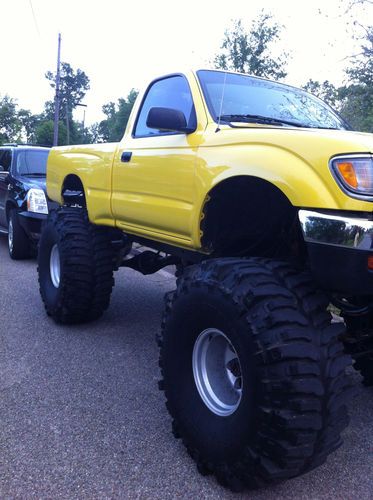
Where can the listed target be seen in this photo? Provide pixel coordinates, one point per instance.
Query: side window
(5, 159)
(172, 92)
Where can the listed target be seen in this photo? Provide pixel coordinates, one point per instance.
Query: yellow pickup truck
(261, 197)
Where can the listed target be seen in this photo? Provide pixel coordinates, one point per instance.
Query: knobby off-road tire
(262, 327)
(18, 244)
(75, 266)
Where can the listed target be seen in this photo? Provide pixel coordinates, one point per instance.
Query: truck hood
(306, 142)
(33, 182)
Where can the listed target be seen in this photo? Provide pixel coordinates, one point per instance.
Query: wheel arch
(247, 209)
(72, 191)
(10, 205)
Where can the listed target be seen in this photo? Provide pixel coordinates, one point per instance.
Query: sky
(123, 44)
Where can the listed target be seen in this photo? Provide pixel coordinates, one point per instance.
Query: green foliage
(357, 107)
(23, 126)
(250, 52)
(112, 128)
(94, 133)
(357, 96)
(354, 100)
(78, 134)
(73, 88)
(29, 124)
(44, 133)
(10, 125)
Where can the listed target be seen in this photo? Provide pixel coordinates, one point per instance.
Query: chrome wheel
(10, 236)
(55, 266)
(217, 372)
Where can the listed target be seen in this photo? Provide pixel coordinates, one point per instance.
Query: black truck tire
(18, 244)
(75, 266)
(253, 371)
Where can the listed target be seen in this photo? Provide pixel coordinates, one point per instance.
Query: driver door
(154, 171)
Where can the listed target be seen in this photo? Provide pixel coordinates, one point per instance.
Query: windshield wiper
(259, 119)
(266, 120)
(35, 174)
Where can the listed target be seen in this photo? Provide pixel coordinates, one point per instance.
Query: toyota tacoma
(261, 197)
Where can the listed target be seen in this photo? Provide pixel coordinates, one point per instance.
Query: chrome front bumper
(345, 232)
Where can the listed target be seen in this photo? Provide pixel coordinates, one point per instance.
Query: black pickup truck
(23, 200)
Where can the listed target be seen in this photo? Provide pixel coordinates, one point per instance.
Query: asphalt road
(81, 415)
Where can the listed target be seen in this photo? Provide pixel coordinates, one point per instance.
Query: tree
(10, 125)
(95, 133)
(73, 88)
(357, 95)
(112, 128)
(44, 133)
(354, 99)
(250, 52)
(352, 3)
(29, 123)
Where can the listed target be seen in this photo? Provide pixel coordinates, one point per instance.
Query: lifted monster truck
(262, 197)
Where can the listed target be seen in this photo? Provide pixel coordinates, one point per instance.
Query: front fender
(306, 182)
(302, 183)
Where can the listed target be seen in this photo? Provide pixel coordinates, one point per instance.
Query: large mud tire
(75, 266)
(293, 391)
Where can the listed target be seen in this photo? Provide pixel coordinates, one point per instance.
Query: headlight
(354, 173)
(36, 201)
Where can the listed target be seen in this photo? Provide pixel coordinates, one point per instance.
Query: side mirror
(168, 119)
(2, 169)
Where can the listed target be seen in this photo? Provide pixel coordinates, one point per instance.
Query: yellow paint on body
(161, 192)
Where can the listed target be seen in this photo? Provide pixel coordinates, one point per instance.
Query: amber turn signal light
(347, 171)
(354, 173)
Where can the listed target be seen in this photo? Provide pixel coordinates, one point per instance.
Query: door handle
(126, 156)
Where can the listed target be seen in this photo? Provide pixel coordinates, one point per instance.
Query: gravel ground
(81, 415)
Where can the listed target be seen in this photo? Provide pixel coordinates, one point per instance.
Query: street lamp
(83, 106)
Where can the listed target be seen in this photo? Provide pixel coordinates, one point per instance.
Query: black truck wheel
(253, 371)
(18, 244)
(75, 266)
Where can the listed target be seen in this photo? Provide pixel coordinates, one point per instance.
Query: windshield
(253, 100)
(32, 162)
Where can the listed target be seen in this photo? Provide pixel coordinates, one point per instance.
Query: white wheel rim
(217, 372)
(55, 266)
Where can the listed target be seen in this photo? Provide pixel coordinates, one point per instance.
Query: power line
(33, 15)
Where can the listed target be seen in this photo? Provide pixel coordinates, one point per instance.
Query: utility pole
(67, 124)
(57, 95)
